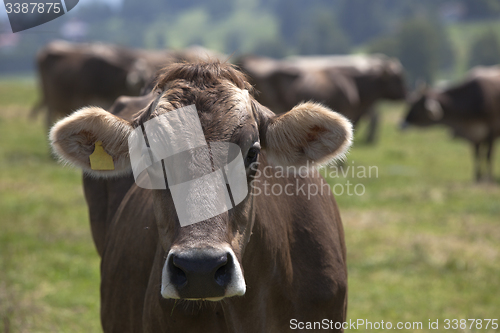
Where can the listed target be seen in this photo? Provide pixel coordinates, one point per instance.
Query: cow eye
(252, 154)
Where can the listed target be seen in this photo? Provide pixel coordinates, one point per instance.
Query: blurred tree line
(417, 32)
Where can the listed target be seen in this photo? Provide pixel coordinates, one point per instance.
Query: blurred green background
(434, 39)
(423, 241)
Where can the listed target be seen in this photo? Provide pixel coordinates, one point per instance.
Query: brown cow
(471, 109)
(76, 75)
(282, 85)
(104, 73)
(348, 84)
(268, 261)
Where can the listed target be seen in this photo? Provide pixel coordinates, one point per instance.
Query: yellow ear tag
(100, 160)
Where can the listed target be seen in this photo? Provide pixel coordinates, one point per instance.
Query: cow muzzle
(209, 274)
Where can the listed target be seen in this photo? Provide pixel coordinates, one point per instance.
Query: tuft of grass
(423, 240)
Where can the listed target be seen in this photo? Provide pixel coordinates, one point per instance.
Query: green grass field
(423, 240)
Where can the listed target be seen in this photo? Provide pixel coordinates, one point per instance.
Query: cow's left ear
(75, 138)
(308, 132)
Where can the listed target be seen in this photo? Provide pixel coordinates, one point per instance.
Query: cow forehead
(221, 97)
(222, 110)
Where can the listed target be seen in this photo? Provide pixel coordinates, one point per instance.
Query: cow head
(203, 260)
(425, 110)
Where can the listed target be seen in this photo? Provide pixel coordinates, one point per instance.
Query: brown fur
(312, 132)
(75, 143)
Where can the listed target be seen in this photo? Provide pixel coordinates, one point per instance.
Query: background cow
(103, 196)
(471, 109)
(76, 75)
(282, 84)
(348, 84)
(281, 257)
(73, 75)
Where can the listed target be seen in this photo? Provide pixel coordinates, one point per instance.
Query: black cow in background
(471, 109)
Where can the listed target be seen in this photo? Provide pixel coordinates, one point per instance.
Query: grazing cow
(76, 75)
(268, 261)
(104, 73)
(377, 77)
(471, 109)
(282, 84)
(348, 84)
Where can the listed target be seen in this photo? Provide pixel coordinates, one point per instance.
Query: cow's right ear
(74, 139)
(310, 132)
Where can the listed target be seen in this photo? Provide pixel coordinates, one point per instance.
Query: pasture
(423, 241)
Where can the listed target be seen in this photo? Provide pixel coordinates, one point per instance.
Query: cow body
(75, 75)
(288, 249)
(104, 73)
(348, 84)
(471, 109)
(376, 77)
(283, 84)
(293, 269)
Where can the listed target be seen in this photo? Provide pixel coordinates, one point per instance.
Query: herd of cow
(350, 85)
(270, 259)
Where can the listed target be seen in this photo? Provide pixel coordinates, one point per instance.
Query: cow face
(204, 260)
(424, 110)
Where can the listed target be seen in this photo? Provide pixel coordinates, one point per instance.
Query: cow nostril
(177, 275)
(222, 274)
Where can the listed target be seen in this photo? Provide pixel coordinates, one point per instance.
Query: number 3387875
(478, 324)
(33, 7)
